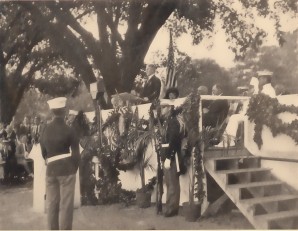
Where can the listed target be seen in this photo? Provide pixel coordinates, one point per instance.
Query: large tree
(18, 61)
(27, 60)
(126, 30)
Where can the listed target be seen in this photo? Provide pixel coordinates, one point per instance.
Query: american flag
(171, 80)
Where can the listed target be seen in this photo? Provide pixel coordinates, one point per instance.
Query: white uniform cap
(73, 112)
(57, 103)
(264, 73)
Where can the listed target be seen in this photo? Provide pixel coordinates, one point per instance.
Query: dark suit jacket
(57, 138)
(218, 111)
(152, 89)
(36, 130)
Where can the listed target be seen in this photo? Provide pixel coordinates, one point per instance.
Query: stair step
(255, 184)
(233, 162)
(233, 157)
(260, 200)
(242, 170)
(278, 215)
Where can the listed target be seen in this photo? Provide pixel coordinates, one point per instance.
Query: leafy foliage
(264, 110)
(37, 35)
(190, 112)
(282, 61)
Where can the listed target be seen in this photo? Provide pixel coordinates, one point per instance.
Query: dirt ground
(16, 213)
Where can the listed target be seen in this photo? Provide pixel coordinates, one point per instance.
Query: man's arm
(75, 149)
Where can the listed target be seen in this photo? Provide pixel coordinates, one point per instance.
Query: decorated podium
(130, 178)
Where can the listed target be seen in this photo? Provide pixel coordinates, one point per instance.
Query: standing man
(25, 129)
(217, 111)
(152, 87)
(265, 86)
(35, 130)
(60, 149)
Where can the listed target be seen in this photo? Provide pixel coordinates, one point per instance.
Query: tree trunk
(118, 72)
(8, 104)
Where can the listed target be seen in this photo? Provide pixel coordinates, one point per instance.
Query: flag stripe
(171, 80)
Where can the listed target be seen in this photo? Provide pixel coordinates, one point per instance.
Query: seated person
(229, 136)
(217, 111)
(265, 78)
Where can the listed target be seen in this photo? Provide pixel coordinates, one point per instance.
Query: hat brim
(172, 90)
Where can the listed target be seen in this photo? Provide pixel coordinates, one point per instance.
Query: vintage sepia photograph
(148, 114)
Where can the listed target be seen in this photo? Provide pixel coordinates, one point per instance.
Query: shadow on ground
(16, 213)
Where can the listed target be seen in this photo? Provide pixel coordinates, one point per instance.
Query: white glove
(167, 164)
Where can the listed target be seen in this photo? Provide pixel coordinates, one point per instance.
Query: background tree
(125, 32)
(34, 102)
(282, 61)
(127, 28)
(194, 73)
(26, 59)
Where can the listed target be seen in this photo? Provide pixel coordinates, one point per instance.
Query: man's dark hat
(172, 90)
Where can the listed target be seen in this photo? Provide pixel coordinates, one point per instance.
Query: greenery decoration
(196, 140)
(127, 148)
(264, 110)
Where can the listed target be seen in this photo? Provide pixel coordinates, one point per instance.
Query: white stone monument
(39, 182)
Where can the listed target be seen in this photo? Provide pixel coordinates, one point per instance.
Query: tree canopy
(125, 31)
(282, 61)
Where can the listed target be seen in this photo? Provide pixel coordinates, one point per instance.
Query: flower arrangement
(263, 110)
(139, 83)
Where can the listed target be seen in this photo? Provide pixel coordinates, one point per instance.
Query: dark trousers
(60, 200)
(173, 189)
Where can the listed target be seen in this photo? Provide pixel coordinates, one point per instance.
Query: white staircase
(265, 201)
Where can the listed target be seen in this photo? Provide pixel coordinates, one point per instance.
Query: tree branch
(102, 24)
(24, 57)
(67, 18)
(70, 47)
(116, 37)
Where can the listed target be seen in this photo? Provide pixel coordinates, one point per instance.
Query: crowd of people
(16, 141)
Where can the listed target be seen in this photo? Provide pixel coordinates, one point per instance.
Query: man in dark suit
(36, 129)
(217, 110)
(152, 87)
(60, 149)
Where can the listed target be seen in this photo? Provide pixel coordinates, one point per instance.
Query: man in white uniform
(265, 83)
(261, 82)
